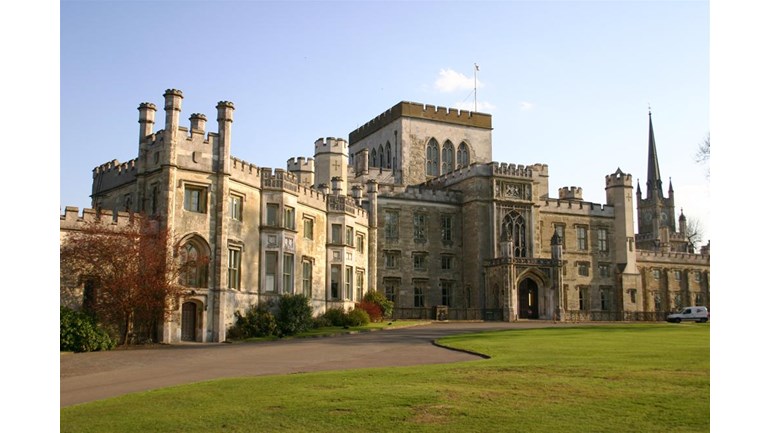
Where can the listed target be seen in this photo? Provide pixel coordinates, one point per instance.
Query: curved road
(93, 376)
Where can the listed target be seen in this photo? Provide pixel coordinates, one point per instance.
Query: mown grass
(615, 378)
(328, 331)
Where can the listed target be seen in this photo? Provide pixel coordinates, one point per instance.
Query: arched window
(447, 157)
(431, 158)
(515, 229)
(462, 155)
(195, 265)
(374, 158)
(388, 157)
(382, 158)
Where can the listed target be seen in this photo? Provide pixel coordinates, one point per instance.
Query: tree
(694, 233)
(703, 155)
(129, 273)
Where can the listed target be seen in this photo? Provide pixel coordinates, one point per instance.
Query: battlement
(672, 257)
(517, 170)
(300, 164)
(112, 174)
(72, 220)
(420, 193)
(331, 145)
(571, 193)
(618, 179)
(577, 207)
(422, 111)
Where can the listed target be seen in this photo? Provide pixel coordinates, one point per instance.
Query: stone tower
(331, 161)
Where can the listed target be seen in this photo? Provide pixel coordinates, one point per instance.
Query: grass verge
(615, 378)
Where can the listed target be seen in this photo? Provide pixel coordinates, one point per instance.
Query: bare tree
(694, 234)
(703, 155)
(130, 274)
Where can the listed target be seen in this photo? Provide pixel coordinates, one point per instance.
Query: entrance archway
(528, 296)
(189, 321)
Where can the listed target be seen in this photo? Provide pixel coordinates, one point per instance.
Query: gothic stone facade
(411, 205)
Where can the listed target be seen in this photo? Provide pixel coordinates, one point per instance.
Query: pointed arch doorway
(528, 299)
(189, 321)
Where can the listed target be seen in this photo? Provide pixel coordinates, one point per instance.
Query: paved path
(93, 376)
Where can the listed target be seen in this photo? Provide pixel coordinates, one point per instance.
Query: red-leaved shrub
(372, 309)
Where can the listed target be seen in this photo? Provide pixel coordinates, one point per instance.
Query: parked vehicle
(697, 314)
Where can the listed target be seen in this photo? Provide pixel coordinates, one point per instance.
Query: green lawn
(615, 378)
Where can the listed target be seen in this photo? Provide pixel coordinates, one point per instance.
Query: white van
(698, 314)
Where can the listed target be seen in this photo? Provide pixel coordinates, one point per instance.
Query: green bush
(79, 332)
(295, 315)
(335, 316)
(321, 322)
(378, 298)
(257, 322)
(357, 317)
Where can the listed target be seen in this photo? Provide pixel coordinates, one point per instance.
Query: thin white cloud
(526, 106)
(450, 80)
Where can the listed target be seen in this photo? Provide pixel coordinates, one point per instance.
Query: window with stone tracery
(447, 157)
(515, 230)
(431, 158)
(462, 155)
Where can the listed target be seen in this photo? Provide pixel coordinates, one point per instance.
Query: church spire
(654, 184)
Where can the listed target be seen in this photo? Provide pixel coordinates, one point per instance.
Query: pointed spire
(638, 188)
(654, 184)
(670, 186)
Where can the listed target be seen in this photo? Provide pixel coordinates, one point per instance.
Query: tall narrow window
(288, 218)
(431, 158)
(381, 162)
(446, 228)
(272, 214)
(447, 157)
(514, 229)
(605, 299)
(583, 298)
(336, 233)
(446, 293)
(236, 207)
(234, 269)
(348, 282)
(307, 278)
(288, 273)
(603, 245)
(419, 297)
(307, 224)
(271, 263)
(462, 155)
(154, 199)
(349, 236)
(359, 285)
(420, 227)
(360, 242)
(582, 238)
(388, 157)
(391, 287)
(391, 225)
(335, 276)
(373, 162)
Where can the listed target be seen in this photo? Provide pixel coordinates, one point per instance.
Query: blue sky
(568, 83)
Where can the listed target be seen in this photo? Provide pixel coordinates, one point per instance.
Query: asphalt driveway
(86, 377)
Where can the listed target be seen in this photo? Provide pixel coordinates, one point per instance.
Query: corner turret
(331, 160)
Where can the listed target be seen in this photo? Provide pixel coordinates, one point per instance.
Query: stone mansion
(410, 205)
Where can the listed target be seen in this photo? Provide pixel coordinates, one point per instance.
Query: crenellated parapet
(618, 179)
(577, 207)
(73, 220)
(571, 193)
(279, 179)
(114, 173)
(515, 170)
(420, 193)
(331, 145)
(300, 164)
(422, 111)
(672, 257)
(346, 204)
